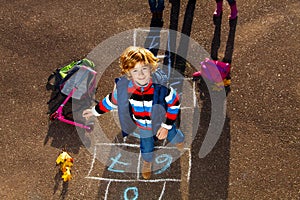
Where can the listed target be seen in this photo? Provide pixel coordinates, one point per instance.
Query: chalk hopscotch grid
(160, 196)
(109, 180)
(134, 145)
(162, 56)
(138, 166)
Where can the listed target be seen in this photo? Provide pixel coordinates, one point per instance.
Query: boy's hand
(162, 133)
(87, 113)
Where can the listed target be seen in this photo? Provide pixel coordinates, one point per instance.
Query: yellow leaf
(67, 174)
(63, 157)
(227, 82)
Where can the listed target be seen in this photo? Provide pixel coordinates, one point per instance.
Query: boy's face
(141, 74)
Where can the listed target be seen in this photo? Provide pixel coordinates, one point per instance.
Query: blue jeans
(156, 5)
(147, 141)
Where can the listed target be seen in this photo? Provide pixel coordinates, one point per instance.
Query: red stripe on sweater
(171, 116)
(175, 102)
(140, 115)
(102, 107)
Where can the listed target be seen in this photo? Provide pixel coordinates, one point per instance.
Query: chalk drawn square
(120, 161)
(153, 38)
(166, 163)
(124, 162)
(137, 190)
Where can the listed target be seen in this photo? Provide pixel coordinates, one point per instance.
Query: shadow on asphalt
(210, 175)
(62, 135)
(216, 41)
(57, 182)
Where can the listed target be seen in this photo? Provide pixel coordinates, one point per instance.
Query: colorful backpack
(62, 74)
(216, 72)
(64, 79)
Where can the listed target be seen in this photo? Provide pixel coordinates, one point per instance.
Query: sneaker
(146, 171)
(180, 146)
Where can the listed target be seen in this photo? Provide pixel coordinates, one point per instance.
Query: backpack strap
(160, 77)
(159, 106)
(126, 121)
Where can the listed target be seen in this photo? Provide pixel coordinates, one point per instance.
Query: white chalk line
(134, 37)
(134, 180)
(152, 30)
(182, 108)
(190, 166)
(162, 191)
(93, 161)
(106, 190)
(138, 167)
(135, 145)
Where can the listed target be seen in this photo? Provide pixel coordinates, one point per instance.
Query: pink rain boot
(219, 9)
(233, 12)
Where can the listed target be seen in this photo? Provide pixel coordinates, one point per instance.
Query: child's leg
(175, 135)
(147, 145)
(147, 148)
(233, 9)
(219, 8)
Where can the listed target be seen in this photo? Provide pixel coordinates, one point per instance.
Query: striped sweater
(140, 99)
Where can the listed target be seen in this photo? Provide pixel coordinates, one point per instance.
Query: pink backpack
(213, 70)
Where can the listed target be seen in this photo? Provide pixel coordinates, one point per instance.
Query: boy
(139, 100)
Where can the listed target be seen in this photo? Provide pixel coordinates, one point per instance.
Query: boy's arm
(173, 105)
(107, 104)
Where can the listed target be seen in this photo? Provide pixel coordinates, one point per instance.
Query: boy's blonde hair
(133, 55)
